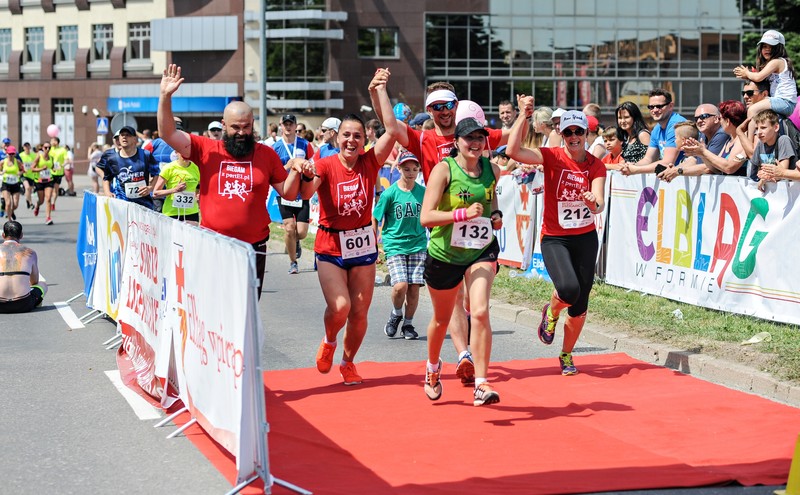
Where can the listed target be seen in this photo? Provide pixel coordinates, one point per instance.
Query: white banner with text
(712, 241)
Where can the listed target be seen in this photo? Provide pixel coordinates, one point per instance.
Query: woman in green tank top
(11, 169)
(460, 207)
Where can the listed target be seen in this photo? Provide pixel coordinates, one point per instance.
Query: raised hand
(171, 79)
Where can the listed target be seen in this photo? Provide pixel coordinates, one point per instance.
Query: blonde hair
(544, 116)
(687, 130)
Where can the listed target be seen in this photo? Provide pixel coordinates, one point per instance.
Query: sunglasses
(569, 132)
(323, 130)
(704, 116)
(749, 92)
(653, 107)
(45, 147)
(438, 107)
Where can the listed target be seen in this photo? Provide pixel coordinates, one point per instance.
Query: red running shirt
(234, 191)
(565, 180)
(432, 148)
(345, 198)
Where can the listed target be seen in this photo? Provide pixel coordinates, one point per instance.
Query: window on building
(67, 43)
(378, 42)
(102, 42)
(139, 41)
(34, 45)
(5, 45)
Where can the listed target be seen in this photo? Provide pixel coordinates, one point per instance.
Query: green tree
(782, 15)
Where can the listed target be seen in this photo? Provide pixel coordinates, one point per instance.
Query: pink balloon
(53, 130)
(467, 108)
(795, 117)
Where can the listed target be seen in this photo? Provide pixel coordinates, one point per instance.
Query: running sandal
(485, 395)
(465, 370)
(433, 386)
(567, 366)
(547, 327)
(349, 374)
(325, 356)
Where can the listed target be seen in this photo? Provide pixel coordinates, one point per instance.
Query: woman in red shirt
(345, 245)
(574, 183)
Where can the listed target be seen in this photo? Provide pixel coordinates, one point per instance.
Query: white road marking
(140, 407)
(68, 315)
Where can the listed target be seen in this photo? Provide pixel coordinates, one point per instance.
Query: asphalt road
(66, 429)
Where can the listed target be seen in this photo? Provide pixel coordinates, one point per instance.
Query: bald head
(706, 117)
(237, 110)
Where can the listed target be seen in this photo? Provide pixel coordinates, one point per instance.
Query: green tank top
(461, 192)
(45, 175)
(28, 158)
(11, 170)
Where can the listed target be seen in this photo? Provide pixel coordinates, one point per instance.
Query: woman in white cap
(773, 63)
(460, 207)
(574, 182)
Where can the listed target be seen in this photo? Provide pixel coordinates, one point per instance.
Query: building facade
(61, 60)
(566, 53)
(75, 63)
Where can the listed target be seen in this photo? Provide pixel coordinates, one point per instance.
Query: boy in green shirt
(404, 242)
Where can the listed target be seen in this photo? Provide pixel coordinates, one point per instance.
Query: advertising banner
(712, 241)
(516, 203)
(86, 245)
(112, 230)
(211, 311)
(145, 349)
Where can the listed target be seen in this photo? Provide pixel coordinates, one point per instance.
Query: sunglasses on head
(653, 107)
(749, 92)
(569, 132)
(438, 107)
(704, 116)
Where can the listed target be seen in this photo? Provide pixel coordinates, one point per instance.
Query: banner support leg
(99, 314)
(290, 486)
(236, 489)
(87, 314)
(73, 298)
(182, 428)
(115, 337)
(117, 341)
(170, 417)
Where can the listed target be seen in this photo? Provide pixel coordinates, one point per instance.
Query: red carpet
(620, 424)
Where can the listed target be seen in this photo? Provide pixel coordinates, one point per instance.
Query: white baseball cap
(573, 118)
(215, 125)
(773, 38)
(557, 113)
(331, 123)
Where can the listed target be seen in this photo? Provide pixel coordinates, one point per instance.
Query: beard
(239, 147)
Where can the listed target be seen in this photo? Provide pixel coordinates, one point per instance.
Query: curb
(716, 370)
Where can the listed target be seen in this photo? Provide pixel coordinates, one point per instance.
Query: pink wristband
(459, 214)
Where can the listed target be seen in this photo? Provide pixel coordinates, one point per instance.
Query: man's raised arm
(171, 80)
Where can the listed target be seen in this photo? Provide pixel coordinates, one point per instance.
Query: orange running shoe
(325, 356)
(349, 374)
